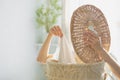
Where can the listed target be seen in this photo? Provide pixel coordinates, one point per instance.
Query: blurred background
(21, 30)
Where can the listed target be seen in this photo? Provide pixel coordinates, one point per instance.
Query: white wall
(17, 54)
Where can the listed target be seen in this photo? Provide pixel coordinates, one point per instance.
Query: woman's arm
(43, 53)
(114, 66)
(44, 49)
(94, 41)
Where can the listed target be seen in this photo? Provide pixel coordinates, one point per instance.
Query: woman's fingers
(56, 31)
(92, 34)
(91, 39)
(53, 31)
(59, 31)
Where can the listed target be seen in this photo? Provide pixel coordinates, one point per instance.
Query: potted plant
(46, 16)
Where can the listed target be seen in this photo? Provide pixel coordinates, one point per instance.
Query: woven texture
(84, 18)
(57, 71)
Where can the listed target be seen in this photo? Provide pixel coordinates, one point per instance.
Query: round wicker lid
(82, 19)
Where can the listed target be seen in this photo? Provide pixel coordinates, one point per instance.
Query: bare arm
(94, 41)
(43, 53)
(44, 50)
(114, 66)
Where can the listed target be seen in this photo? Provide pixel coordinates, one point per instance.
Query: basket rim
(77, 64)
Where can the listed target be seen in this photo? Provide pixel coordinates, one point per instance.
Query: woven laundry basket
(83, 18)
(89, 71)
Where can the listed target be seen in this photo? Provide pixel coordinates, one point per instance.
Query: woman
(92, 40)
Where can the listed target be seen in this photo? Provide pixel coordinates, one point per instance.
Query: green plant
(47, 14)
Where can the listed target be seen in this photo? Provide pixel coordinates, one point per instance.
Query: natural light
(20, 40)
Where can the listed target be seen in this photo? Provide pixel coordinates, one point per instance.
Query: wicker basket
(82, 18)
(60, 71)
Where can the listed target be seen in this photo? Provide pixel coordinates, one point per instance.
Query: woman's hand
(43, 53)
(56, 31)
(93, 40)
